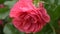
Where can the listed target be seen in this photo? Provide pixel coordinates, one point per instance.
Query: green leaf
(58, 2)
(4, 12)
(48, 29)
(10, 3)
(10, 29)
(53, 9)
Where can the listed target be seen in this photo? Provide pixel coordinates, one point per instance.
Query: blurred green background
(52, 6)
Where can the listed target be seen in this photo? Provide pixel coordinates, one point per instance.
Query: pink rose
(28, 18)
